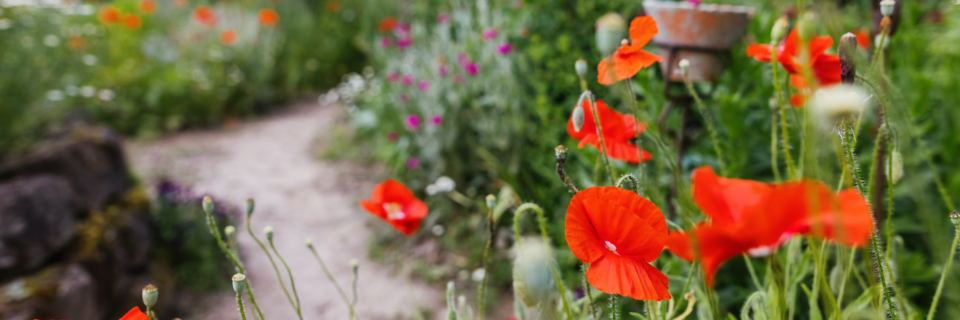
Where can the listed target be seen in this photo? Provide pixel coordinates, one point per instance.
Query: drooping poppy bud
(779, 30)
(886, 7)
(239, 282)
(846, 51)
(807, 27)
(150, 295)
(610, 29)
(578, 118)
(581, 67)
(532, 280)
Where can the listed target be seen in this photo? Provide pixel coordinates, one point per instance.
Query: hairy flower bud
(268, 230)
(779, 30)
(807, 27)
(847, 50)
(249, 207)
(208, 205)
(491, 201)
(610, 30)
(561, 153)
(239, 282)
(685, 67)
(150, 295)
(886, 7)
(532, 280)
(581, 67)
(578, 118)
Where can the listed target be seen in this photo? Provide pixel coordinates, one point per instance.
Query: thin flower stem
(272, 263)
(708, 121)
(773, 147)
(586, 290)
(889, 222)
(877, 254)
(846, 275)
(353, 303)
(603, 145)
(753, 273)
(820, 276)
(785, 135)
(546, 241)
(780, 288)
(636, 125)
(879, 48)
(943, 274)
(236, 262)
(633, 180)
(151, 314)
(561, 157)
(293, 285)
(334, 282)
(240, 304)
(491, 229)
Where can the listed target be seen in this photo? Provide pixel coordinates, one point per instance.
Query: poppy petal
(374, 208)
(628, 276)
(716, 246)
(415, 210)
(393, 191)
(642, 29)
(135, 314)
(613, 218)
(827, 69)
(726, 200)
(844, 218)
(626, 64)
(798, 100)
(760, 52)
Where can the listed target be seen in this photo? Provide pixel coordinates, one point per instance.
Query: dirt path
(272, 160)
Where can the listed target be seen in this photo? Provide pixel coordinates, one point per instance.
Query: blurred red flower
(109, 15)
(132, 21)
(76, 42)
(387, 24)
(618, 130)
(630, 58)
(755, 218)
(333, 6)
(863, 38)
(268, 17)
(618, 233)
(395, 204)
(135, 314)
(180, 3)
(205, 15)
(148, 6)
(228, 37)
(826, 67)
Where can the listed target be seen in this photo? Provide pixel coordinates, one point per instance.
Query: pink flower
(472, 68)
(458, 78)
(393, 136)
(694, 2)
(408, 79)
(443, 18)
(413, 122)
(489, 34)
(386, 42)
(443, 71)
(403, 43)
(393, 77)
(404, 98)
(413, 163)
(424, 85)
(463, 58)
(436, 119)
(504, 48)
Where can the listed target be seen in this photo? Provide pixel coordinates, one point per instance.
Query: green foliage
(184, 240)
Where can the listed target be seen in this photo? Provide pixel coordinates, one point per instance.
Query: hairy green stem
(293, 285)
(773, 147)
(709, 122)
(633, 180)
(236, 262)
(586, 290)
(783, 113)
(753, 273)
(879, 48)
(636, 126)
(491, 228)
(333, 281)
(603, 145)
(272, 263)
(240, 304)
(546, 241)
(943, 274)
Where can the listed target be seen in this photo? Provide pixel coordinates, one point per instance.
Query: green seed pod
(268, 230)
(886, 7)
(955, 218)
(239, 283)
(208, 205)
(610, 30)
(229, 231)
(779, 30)
(150, 295)
(581, 67)
(807, 27)
(249, 207)
(896, 164)
(491, 201)
(685, 67)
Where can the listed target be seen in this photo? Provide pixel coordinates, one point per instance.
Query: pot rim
(710, 8)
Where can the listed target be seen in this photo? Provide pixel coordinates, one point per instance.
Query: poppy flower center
(761, 251)
(394, 211)
(611, 247)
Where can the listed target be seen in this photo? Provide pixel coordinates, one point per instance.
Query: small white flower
(106, 95)
(445, 184)
(89, 59)
(437, 230)
(51, 40)
(54, 95)
(71, 90)
(432, 190)
(835, 104)
(4, 24)
(478, 274)
(87, 91)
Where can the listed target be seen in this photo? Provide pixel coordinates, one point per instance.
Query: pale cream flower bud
(886, 7)
(779, 30)
(150, 295)
(581, 67)
(268, 230)
(239, 283)
(610, 30)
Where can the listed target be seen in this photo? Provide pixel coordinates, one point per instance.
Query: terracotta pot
(698, 33)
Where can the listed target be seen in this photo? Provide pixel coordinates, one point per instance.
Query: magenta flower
(424, 85)
(404, 98)
(413, 163)
(408, 79)
(386, 42)
(393, 77)
(458, 78)
(443, 18)
(489, 34)
(504, 48)
(472, 68)
(436, 119)
(413, 122)
(443, 71)
(404, 42)
(694, 2)
(463, 58)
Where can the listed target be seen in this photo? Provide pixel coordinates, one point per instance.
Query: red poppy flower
(395, 204)
(135, 314)
(863, 38)
(618, 233)
(268, 17)
(205, 15)
(826, 67)
(132, 21)
(387, 24)
(333, 6)
(228, 37)
(148, 6)
(109, 15)
(755, 218)
(618, 129)
(630, 58)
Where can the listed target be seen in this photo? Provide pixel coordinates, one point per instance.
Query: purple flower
(472, 68)
(413, 122)
(436, 119)
(386, 42)
(393, 77)
(404, 42)
(504, 48)
(458, 78)
(404, 98)
(463, 58)
(408, 79)
(443, 71)
(489, 34)
(424, 85)
(443, 18)
(413, 163)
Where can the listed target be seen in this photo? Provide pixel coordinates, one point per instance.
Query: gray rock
(36, 221)
(58, 292)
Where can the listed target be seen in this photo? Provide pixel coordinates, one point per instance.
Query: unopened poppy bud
(847, 50)
(491, 201)
(239, 282)
(578, 118)
(779, 30)
(955, 218)
(208, 205)
(309, 243)
(150, 295)
(229, 230)
(807, 27)
(249, 207)
(561, 153)
(532, 280)
(895, 166)
(354, 264)
(268, 230)
(581, 67)
(886, 7)
(685, 67)
(610, 29)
